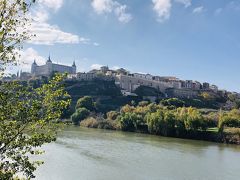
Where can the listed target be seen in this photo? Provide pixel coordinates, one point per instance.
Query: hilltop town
(128, 82)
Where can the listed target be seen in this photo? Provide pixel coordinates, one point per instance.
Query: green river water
(91, 154)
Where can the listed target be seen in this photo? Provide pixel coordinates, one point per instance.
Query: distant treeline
(162, 119)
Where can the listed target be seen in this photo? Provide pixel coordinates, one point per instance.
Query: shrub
(112, 115)
(172, 102)
(168, 127)
(230, 119)
(161, 122)
(192, 118)
(154, 121)
(127, 121)
(108, 124)
(85, 102)
(79, 115)
(89, 123)
(143, 103)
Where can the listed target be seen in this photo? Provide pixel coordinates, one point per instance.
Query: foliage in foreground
(28, 119)
(13, 30)
(28, 116)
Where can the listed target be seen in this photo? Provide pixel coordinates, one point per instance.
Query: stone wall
(130, 83)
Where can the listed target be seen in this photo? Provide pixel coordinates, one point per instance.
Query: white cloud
(109, 6)
(50, 34)
(27, 57)
(40, 15)
(96, 66)
(120, 12)
(52, 4)
(162, 8)
(186, 3)
(103, 6)
(96, 44)
(198, 10)
(46, 33)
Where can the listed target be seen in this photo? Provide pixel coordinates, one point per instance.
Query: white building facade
(50, 67)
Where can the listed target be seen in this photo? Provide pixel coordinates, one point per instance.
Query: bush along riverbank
(157, 119)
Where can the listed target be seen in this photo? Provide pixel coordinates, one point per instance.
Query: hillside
(105, 93)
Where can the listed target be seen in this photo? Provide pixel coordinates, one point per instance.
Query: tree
(127, 121)
(28, 119)
(161, 122)
(193, 119)
(154, 121)
(127, 109)
(168, 127)
(173, 102)
(13, 30)
(229, 119)
(85, 102)
(79, 115)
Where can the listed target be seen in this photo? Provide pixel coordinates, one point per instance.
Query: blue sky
(190, 39)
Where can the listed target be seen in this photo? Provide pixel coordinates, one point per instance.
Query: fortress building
(49, 68)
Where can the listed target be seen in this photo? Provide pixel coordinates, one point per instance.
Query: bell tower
(34, 67)
(74, 68)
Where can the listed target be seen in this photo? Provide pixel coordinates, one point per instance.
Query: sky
(190, 39)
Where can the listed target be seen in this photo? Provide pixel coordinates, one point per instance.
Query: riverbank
(211, 134)
(158, 119)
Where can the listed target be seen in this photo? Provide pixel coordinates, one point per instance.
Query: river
(92, 154)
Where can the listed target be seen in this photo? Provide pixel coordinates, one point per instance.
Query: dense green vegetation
(148, 91)
(168, 118)
(92, 88)
(79, 115)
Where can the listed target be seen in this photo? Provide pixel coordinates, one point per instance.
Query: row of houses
(129, 82)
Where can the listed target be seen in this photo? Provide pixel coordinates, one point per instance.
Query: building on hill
(165, 78)
(131, 83)
(205, 85)
(143, 76)
(50, 67)
(122, 71)
(214, 88)
(24, 76)
(104, 69)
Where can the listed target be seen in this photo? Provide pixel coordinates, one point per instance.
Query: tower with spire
(34, 67)
(74, 68)
(49, 59)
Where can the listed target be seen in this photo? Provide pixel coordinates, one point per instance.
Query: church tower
(49, 65)
(74, 68)
(34, 67)
(49, 61)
